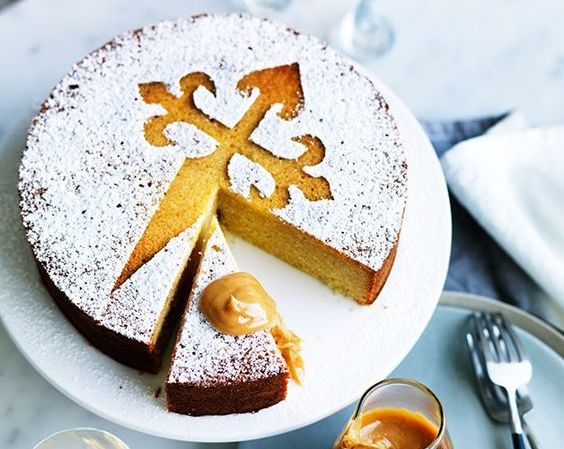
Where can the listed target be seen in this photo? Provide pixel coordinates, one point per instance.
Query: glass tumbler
(82, 438)
(397, 393)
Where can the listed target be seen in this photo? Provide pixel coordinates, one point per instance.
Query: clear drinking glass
(82, 438)
(366, 33)
(403, 394)
(266, 6)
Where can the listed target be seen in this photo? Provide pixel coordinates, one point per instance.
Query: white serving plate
(346, 346)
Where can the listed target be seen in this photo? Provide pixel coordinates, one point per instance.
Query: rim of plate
(536, 326)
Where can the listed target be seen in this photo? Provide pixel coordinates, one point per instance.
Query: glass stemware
(266, 6)
(366, 33)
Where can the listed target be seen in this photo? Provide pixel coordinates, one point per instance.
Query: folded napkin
(511, 180)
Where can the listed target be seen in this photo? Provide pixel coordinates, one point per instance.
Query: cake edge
(131, 352)
(227, 398)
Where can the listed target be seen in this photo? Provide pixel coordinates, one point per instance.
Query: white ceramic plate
(346, 347)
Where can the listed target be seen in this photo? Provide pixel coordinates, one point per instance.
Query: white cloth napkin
(511, 180)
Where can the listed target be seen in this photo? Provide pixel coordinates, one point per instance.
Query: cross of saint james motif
(201, 178)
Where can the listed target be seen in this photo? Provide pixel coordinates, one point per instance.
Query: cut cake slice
(213, 373)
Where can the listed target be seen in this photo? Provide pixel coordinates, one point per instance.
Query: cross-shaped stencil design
(201, 179)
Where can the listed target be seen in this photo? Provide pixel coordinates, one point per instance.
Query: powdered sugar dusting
(205, 356)
(135, 309)
(244, 173)
(90, 182)
(192, 142)
(228, 105)
(275, 135)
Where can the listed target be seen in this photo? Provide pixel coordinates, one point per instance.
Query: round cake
(161, 130)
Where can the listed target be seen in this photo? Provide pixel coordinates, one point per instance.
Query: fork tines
(502, 345)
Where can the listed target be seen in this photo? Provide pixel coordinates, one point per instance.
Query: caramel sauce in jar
(390, 428)
(237, 304)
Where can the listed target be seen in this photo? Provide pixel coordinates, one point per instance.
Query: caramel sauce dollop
(237, 304)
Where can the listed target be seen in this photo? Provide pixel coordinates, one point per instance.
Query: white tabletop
(451, 59)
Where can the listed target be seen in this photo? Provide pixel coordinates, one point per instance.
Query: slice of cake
(213, 373)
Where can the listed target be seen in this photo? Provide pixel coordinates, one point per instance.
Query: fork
(493, 397)
(506, 364)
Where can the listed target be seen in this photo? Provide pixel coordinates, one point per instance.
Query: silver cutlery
(503, 361)
(493, 397)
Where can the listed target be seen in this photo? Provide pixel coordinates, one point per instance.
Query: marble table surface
(451, 59)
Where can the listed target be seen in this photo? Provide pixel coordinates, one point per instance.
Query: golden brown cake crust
(231, 398)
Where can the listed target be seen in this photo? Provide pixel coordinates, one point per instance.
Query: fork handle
(518, 441)
(516, 426)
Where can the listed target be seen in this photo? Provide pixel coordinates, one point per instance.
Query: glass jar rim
(411, 383)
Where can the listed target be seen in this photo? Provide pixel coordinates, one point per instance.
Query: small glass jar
(397, 393)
